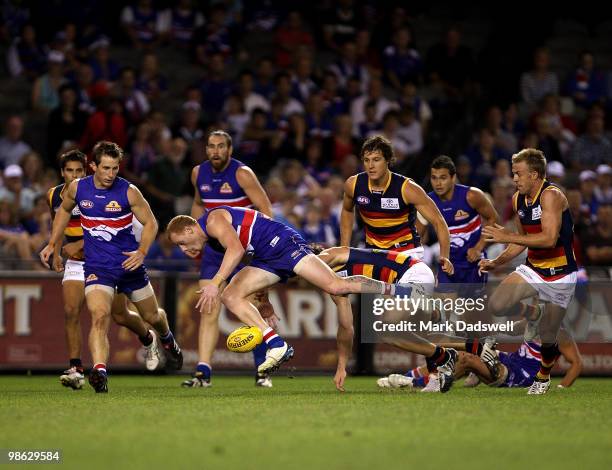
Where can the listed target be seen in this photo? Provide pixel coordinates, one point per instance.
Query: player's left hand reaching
(45, 254)
(134, 260)
(209, 295)
(495, 234)
(339, 379)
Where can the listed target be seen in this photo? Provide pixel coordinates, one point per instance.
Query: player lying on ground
(393, 267)
(279, 252)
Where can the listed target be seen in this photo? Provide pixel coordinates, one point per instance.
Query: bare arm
(570, 352)
(347, 216)
(197, 207)
(552, 204)
(218, 226)
(335, 256)
(142, 212)
(60, 222)
(481, 204)
(344, 338)
(253, 189)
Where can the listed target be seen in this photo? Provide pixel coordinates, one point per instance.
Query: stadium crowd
(298, 107)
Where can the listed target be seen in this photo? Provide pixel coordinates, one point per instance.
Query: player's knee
(497, 304)
(229, 297)
(338, 287)
(72, 312)
(100, 320)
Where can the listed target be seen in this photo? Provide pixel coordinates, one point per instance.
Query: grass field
(150, 422)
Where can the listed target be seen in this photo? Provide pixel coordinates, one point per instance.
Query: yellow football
(244, 339)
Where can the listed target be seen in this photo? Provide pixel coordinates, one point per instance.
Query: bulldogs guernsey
(221, 188)
(389, 221)
(106, 218)
(74, 231)
(549, 263)
(464, 224)
(275, 247)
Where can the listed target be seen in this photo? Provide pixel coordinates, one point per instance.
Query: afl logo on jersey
(86, 204)
(226, 188)
(521, 213)
(205, 188)
(460, 215)
(113, 206)
(363, 200)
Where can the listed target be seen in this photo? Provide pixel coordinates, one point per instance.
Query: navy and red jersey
(221, 188)
(389, 221)
(382, 265)
(550, 263)
(464, 223)
(73, 231)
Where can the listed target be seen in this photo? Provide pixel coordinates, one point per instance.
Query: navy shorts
(467, 281)
(282, 253)
(521, 370)
(124, 281)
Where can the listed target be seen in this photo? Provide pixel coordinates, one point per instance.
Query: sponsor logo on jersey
(363, 200)
(460, 215)
(86, 204)
(100, 197)
(536, 213)
(113, 206)
(205, 188)
(226, 188)
(389, 203)
(274, 241)
(91, 277)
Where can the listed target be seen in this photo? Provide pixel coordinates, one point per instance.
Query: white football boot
(152, 355)
(539, 387)
(400, 381)
(383, 382)
(73, 379)
(433, 386)
(275, 357)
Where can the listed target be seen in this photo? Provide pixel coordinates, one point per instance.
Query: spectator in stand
(275, 189)
(483, 157)
(38, 225)
(214, 37)
(410, 131)
(370, 125)
(104, 68)
(586, 85)
(141, 156)
(342, 22)
(14, 239)
(402, 61)
(593, 147)
(15, 193)
(12, 147)
(166, 256)
(512, 123)
(216, 86)
(598, 239)
(135, 102)
(293, 146)
(66, 123)
(350, 167)
(341, 143)
(291, 37)
(182, 22)
(581, 216)
(45, 95)
(82, 85)
(235, 118)
(315, 164)
(150, 81)
(538, 82)
(367, 54)
(390, 129)
(160, 133)
(561, 128)
(503, 139)
(297, 180)
(348, 66)
(603, 191)
(168, 180)
(190, 128)
(317, 120)
(588, 183)
(330, 206)
(501, 195)
(410, 97)
(315, 229)
(26, 58)
(374, 94)
(464, 171)
(264, 83)
(302, 83)
(33, 173)
(142, 24)
(256, 143)
(555, 173)
(283, 95)
(250, 99)
(107, 123)
(333, 101)
(546, 139)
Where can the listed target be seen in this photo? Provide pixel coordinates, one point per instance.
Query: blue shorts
(124, 281)
(521, 370)
(211, 262)
(471, 281)
(282, 253)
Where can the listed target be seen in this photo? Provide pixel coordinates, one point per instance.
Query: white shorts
(74, 271)
(559, 292)
(422, 275)
(416, 253)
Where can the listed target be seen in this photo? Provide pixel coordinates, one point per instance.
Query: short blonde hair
(179, 223)
(535, 159)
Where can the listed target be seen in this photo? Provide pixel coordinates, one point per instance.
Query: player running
(279, 253)
(72, 166)
(546, 230)
(223, 180)
(113, 257)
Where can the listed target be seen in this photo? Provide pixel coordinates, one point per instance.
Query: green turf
(150, 422)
